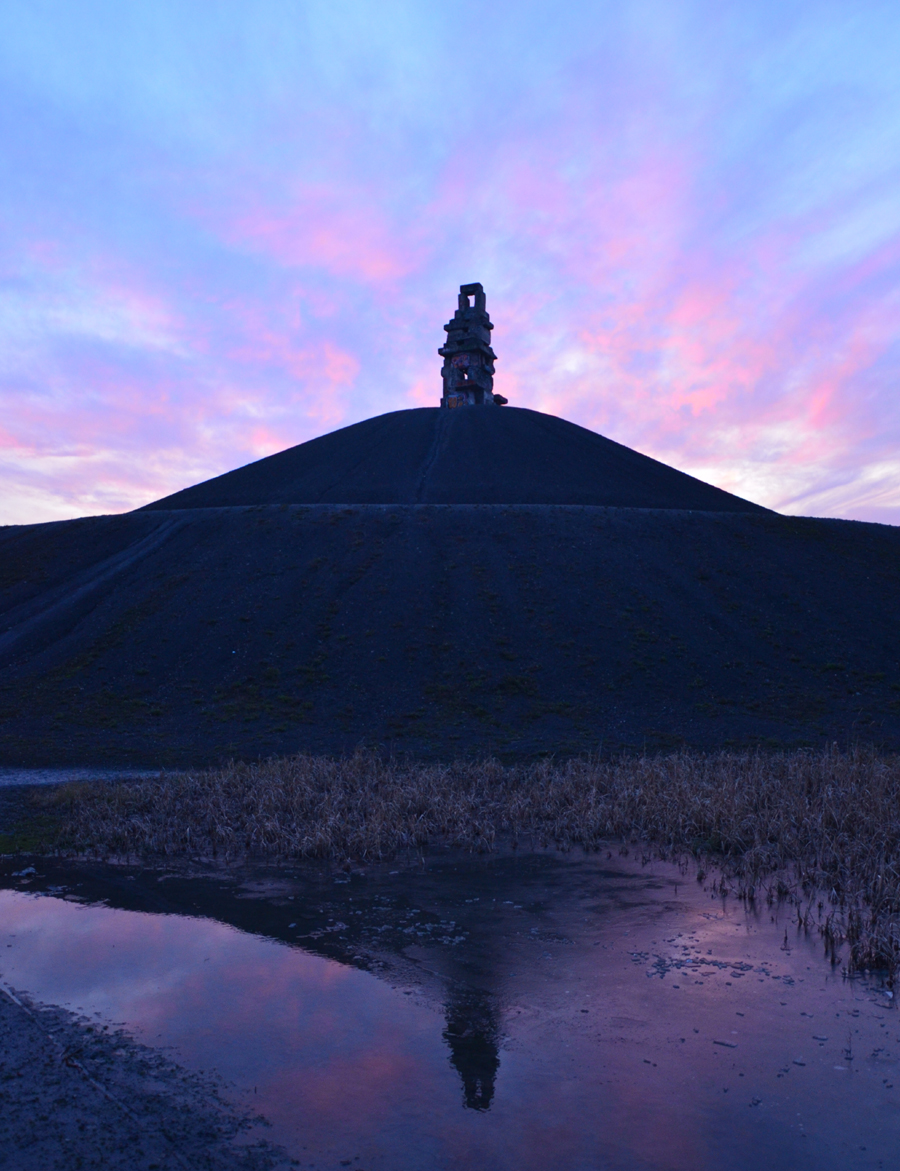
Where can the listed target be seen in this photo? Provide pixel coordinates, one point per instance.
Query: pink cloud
(640, 285)
(341, 229)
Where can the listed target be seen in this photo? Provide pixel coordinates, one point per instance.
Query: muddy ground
(77, 1095)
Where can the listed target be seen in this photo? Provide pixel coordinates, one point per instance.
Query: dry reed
(821, 827)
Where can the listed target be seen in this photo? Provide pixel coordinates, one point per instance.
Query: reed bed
(822, 828)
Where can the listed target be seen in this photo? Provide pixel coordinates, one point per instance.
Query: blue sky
(227, 228)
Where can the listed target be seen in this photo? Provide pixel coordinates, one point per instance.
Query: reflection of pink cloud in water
(319, 1040)
(338, 1059)
(344, 1065)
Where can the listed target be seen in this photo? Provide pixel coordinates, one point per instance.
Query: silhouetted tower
(468, 369)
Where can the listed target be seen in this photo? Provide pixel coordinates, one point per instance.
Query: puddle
(500, 1012)
(14, 777)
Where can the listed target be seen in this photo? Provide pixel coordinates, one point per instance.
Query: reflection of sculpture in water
(472, 1035)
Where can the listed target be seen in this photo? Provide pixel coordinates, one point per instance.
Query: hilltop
(482, 456)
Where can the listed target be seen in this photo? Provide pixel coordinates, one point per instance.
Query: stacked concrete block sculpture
(468, 369)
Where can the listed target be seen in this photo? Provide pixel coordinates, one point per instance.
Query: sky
(229, 227)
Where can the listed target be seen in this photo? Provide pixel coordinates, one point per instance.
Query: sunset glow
(228, 229)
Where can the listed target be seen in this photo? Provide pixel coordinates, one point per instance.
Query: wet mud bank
(84, 1094)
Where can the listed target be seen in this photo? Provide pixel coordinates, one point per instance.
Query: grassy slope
(188, 637)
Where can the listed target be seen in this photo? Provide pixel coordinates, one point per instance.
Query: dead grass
(822, 828)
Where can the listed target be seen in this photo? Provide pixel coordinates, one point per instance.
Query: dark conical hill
(471, 456)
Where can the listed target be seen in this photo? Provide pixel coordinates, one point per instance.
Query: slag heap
(468, 369)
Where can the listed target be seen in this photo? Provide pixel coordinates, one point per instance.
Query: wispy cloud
(222, 238)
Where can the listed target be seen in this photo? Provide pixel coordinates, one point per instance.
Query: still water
(497, 1012)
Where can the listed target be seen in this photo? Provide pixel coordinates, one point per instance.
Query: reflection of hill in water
(596, 598)
(610, 983)
(396, 930)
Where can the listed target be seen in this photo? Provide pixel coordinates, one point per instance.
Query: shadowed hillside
(433, 456)
(168, 636)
